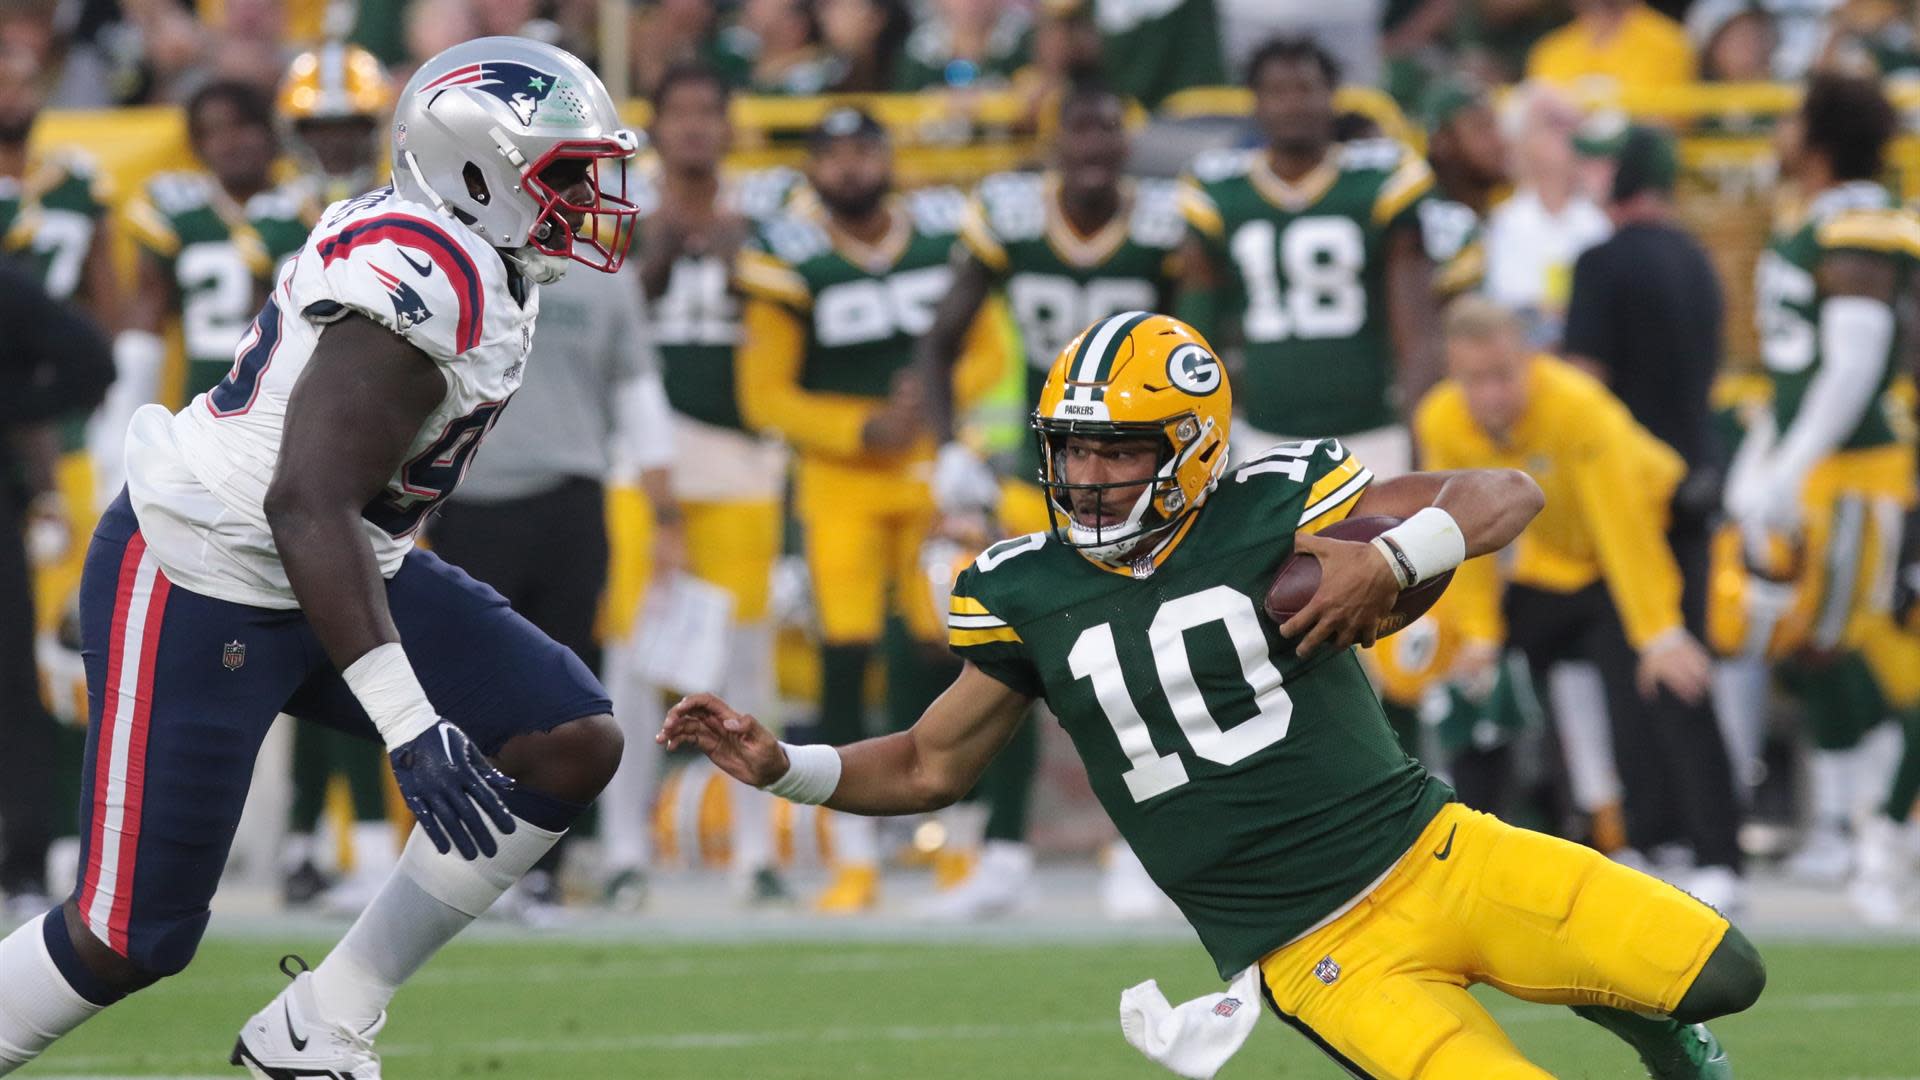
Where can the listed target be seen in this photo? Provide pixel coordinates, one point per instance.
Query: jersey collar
(1141, 567)
(1297, 196)
(881, 255)
(1086, 250)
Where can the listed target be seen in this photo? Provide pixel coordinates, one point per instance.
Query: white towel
(1193, 1038)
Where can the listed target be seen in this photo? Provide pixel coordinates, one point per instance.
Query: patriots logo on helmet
(521, 86)
(409, 310)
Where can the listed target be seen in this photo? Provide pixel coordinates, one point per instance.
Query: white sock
(1740, 705)
(752, 828)
(1830, 776)
(374, 851)
(1579, 700)
(1875, 761)
(856, 840)
(750, 688)
(430, 898)
(626, 805)
(37, 1006)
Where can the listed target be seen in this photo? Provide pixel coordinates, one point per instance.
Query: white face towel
(1193, 1038)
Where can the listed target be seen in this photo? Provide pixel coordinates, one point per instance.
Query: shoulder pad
(765, 192)
(1372, 155)
(794, 240)
(410, 273)
(1318, 473)
(287, 203)
(1157, 220)
(937, 210)
(1013, 205)
(1214, 166)
(176, 193)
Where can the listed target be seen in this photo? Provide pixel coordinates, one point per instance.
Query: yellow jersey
(1608, 483)
(1647, 50)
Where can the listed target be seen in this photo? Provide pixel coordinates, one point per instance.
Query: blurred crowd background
(158, 157)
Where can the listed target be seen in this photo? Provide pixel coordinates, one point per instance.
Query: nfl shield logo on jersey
(1227, 1007)
(232, 655)
(1326, 970)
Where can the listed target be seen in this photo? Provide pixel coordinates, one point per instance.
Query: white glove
(962, 482)
(1764, 500)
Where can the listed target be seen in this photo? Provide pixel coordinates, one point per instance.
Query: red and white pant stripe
(120, 766)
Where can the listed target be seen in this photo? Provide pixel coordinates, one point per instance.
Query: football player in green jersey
(1249, 763)
(1312, 250)
(1075, 243)
(1469, 160)
(210, 242)
(1829, 471)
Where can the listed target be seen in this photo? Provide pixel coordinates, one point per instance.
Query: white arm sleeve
(642, 423)
(137, 357)
(1856, 334)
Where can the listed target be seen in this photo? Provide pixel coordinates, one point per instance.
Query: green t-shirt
(1455, 239)
(927, 56)
(696, 323)
(49, 219)
(864, 310)
(1859, 218)
(1261, 792)
(1057, 282)
(1305, 274)
(220, 257)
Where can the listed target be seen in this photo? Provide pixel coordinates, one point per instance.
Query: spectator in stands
(966, 43)
(172, 46)
(1617, 45)
(1151, 51)
(249, 43)
(1737, 41)
(1414, 43)
(432, 26)
(667, 33)
(1871, 38)
(1534, 236)
(774, 48)
(1493, 37)
(1067, 47)
(866, 37)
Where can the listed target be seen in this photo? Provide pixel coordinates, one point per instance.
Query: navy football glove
(448, 783)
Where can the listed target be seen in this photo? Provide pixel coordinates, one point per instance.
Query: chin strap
(539, 267)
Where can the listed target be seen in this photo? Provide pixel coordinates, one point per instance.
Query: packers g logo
(1194, 369)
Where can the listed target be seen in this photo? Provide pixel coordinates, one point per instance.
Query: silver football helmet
(478, 127)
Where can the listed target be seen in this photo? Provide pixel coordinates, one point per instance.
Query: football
(1299, 576)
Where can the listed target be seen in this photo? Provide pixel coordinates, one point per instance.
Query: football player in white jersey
(261, 561)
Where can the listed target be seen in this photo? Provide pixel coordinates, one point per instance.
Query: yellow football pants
(734, 545)
(864, 531)
(55, 584)
(1383, 988)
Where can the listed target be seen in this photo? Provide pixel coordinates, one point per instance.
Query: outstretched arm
(928, 766)
(936, 353)
(1359, 584)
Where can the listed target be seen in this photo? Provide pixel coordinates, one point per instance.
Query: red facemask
(607, 224)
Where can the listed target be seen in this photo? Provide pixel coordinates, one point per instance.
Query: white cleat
(1824, 858)
(1001, 881)
(1880, 877)
(290, 1040)
(1127, 893)
(1719, 888)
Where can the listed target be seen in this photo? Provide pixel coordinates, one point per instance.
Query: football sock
(1008, 784)
(843, 698)
(1579, 700)
(309, 779)
(751, 689)
(430, 898)
(752, 828)
(626, 804)
(856, 840)
(1648, 1035)
(1906, 781)
(1740, 688)
(37, 1003)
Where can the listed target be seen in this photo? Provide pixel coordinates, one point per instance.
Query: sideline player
(1299, 840)
(1065, 246)
(262, 560)
(1312, 248)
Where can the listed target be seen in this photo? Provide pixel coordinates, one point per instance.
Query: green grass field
(519, 1007)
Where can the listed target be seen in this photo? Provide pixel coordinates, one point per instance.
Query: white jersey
(198, 478)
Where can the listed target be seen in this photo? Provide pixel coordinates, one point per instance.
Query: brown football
(1299, 576)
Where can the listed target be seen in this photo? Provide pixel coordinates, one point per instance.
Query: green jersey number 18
(1321, 259)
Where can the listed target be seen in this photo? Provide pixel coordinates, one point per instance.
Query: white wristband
(813, 772)
(1422, 547)
(387, 688)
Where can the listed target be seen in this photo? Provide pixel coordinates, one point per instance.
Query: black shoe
(304, 885)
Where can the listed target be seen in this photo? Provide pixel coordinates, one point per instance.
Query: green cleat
(1694, 1055)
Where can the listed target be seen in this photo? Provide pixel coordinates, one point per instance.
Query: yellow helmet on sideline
(1129, 376)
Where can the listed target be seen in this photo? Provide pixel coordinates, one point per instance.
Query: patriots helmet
(478, 125)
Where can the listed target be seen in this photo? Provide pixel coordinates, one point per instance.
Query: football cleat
(1880, 871)
(290, 1040)
(1001, 881)
(855, 889)
(1127, 894)
(1696, 1055)
(1824, 858)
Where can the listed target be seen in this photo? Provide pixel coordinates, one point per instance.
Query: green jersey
(1154, 48)
(1305, 272)
(51, 217)
(927, 61)
(1857, 218)
(1058, 282)
(863, 305)
(1261, 791)
(219, 257)
(1455, 239)
(696, 322)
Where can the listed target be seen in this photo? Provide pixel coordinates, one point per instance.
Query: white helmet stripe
(1097, 349)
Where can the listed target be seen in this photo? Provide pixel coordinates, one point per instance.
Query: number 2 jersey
(1305, 269)
(198, 478)
(1263, 793)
